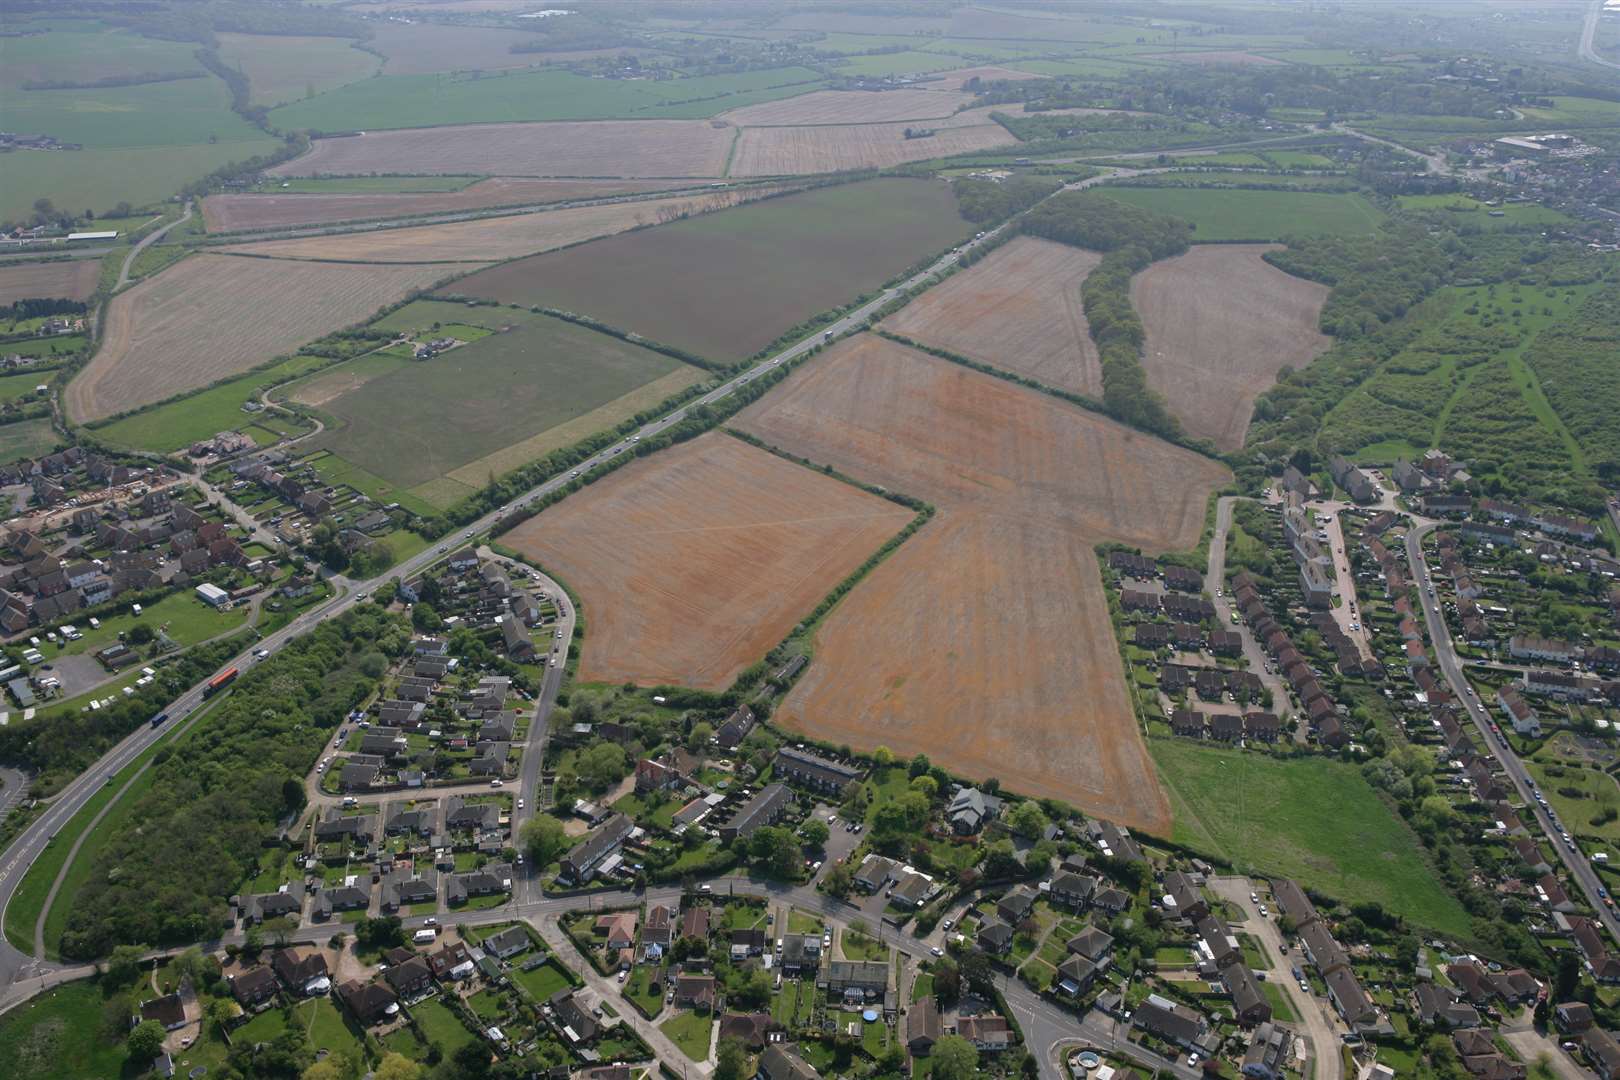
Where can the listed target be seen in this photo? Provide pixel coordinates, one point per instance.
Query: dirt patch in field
(784, 151)
(66, 280)
(850, 107)
(210, 316)
(959, 77)
(591, 148)
(694, 562)
(323, 388)
(985, 641)
(1214, 57)
(225, 213)
(483, 239)
(1019, 310)
(1221, 323)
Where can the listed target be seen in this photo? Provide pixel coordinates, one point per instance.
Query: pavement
(1580, 871)
(1318, 1022)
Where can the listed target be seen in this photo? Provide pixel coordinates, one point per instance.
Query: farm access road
(146, 242)
(1446, 654)
(16, 967)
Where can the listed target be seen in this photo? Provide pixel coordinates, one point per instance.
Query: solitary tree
(954, 1058)
(145, 1041)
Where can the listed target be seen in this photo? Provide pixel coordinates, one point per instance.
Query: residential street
(1254, 657)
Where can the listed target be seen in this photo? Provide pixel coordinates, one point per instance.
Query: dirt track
(985, 640)
(1221, 323)
(210, 316)
(694, 563)
(224, 213)
(1018, 310)
(589, 148)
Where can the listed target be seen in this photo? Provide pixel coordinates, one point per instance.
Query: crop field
(283, 68)
(765, 267)
(69, 279)
(1018, 309)
(783, 151)
(225, 213)
(178, 424)
(900, 63)
(208, 317)
(414, 422)
(985, 640)
(99, 179)
(956, 78)
(626, 148)
(417, 101)
(175, 113)
(1224, 214)
(850, 107)
(1308, 818)
(695, 562)
(484, 239)
(425, 48)
(89, 54)
(1221, 323)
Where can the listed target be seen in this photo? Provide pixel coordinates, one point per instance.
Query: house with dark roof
(583, 860)
(254, 987)
(923, 1028)
(765, 808)
(167, 1010)
(369, 1003)
(814, 771)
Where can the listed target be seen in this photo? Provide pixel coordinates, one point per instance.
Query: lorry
(220, 682)
(157, 721)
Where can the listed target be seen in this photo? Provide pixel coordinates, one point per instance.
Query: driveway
(1317, 1027)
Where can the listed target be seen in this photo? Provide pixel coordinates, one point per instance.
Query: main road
(32, 842)
(1587, 50)
(1446, 654)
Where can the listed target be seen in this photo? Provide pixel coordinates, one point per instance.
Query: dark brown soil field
(1221, 323)
(985, 640)
(586, 148)
(693, 563)
(1018, 310)
(225, 213)
(68, 280)
(726, 284)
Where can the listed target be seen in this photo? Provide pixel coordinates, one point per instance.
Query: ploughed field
(489, 238)
(985, 640)
(591, 148)
(1221, 323)
(850, 107)
(227, 213)
(1017, 309)
(210, 316)
(726, 285)
(694, 562)
(441, 428)
(67, 280)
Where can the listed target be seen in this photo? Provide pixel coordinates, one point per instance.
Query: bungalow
(489, 881)
(167, 1010)
(407, 886)
(1573, 1017)
(1216, 943)
(1601, 1052)
(753, 1030)
(695, 923)
(618, 929)
(1175, 1024)
(991, 1034)
(1439, 1007)
(922, 1026)
(855, 978)
(782, 1062)
(508, 943)
(695, 992)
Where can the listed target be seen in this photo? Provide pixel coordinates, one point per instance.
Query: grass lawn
(1311, 819)
(922, 987)
(262, 1028)
(325, 1026)
(1281, 1007)
(27, 439)
(540, 982)
(1224, 214)
(858, 946)
(441, 1026)
(57, 1037)
(638, 989)
(202, 415)
(660, 817)
(486, 1006)
(181, 615)
(742, 916)
(690, 1032)
(800, 922)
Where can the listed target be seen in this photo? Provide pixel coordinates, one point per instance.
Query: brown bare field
(985, 640)
(849, 107)
(484, 239)
(694, 562)
(781, 151)
(1019, 310)
(68, 280)
(210, 316)
(227, 213)
(1221, 323)
(589, 148)
(1218, 56)
(426, 48)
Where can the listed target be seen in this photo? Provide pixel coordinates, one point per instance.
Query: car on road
(826, 939)
(520, 804)
(947, 924)
(495, 783)
(937, 951)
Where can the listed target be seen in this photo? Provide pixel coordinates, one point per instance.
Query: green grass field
(59, 1036)
(690, 1032)
(412, 422)
(180, 113)
(901, 63)
(1463, 209)
(97, 179)
(1311, 819)
(398, 101)
(203, 415)
(1222, 214)
(27, 439)
(78, 51)
(845, 241)
(282, 69)
(13, 387)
